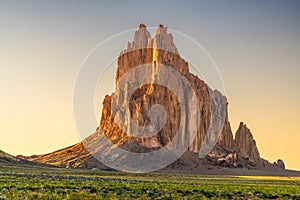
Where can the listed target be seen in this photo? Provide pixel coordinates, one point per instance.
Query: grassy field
(52, 183)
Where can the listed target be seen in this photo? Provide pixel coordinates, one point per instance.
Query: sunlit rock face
(154, 51)
(159, 49)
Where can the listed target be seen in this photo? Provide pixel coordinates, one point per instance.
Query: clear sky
(256, 46)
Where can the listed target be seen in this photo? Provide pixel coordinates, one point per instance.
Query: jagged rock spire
(142, 26)
(162, 39)
(245, 144)
(140, 39)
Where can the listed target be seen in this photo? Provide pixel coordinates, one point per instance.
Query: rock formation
(160, 49)
(280, 164)
(245, 145)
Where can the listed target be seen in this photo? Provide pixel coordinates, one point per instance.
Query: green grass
(52, 183)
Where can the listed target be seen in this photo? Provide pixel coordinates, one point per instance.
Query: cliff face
(155, 51)
(161, 50)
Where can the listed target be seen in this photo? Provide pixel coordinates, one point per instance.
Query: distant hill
(7, 160)
(5, 157)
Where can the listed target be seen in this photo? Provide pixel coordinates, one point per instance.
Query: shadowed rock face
(160, 49)
(245, 145)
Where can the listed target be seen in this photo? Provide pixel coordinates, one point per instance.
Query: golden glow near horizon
(42, 47)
